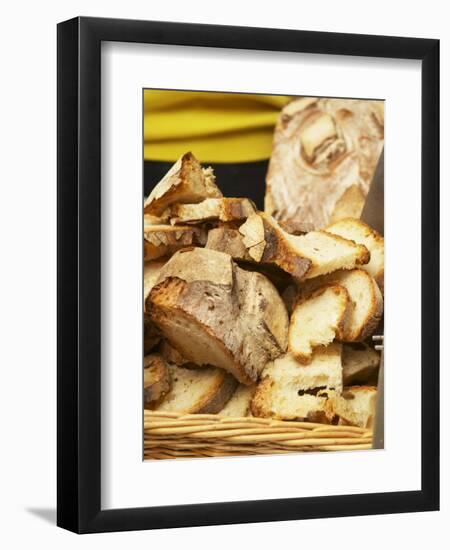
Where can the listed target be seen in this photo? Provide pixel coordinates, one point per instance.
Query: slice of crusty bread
(289, 390)
(223, 209)
(303, 256)
(215, 313)
(205, 390)
(164, 240)
(360, 364)
(328, 255)
(185, 182)
(360, 232)
(366, 298)
(157, 380)
(317, 320)
(239, 404)
(356, 405)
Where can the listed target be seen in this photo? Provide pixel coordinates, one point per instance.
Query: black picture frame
(79, 281)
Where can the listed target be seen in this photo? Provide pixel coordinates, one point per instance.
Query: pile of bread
(245, 315)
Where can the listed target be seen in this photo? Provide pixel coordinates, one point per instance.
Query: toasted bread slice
(317, 320)
(222, 209)
(185, 183)
(157, 380)
(290, 390)
(359, 232)
(239, 404)
(366, 298)
(164, 240)
(213, 312)
(360, 364)
(356, 405)
(205, 390)
(303, 256)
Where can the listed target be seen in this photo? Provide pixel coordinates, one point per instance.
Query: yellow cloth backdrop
(216, 127)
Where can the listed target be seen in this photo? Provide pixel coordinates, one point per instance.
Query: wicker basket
(174, 435)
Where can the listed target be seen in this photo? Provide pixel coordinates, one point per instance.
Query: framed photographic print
(248, 260)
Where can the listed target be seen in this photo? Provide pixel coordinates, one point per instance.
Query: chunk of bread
(157, 380)
(291, 391)
(171, 355)
(185, 183)
(360, 364)
(151, 272)
(239, 404)
(317, 320)
(152, 335)
(229, 241)
(164, 240)
(325, 151)
(303, 256)
(366, 299)
(294, 226)
(360, 232)
(213, 312)
(205, 390)
(356, 405)
(290, 297)
(223, 209)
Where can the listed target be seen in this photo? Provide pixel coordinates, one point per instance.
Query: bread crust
(371, 234)
(267, 242)
(163, 240)
(374, 311)
(185, 182)
(258, 403)
(229, 241)
(224, 209)
(157, 380)
(311, 182)
(219, 396)
(207, 300)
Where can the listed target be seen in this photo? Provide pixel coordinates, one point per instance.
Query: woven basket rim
(171, 435)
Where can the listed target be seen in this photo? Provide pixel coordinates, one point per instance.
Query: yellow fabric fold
(216, 127)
